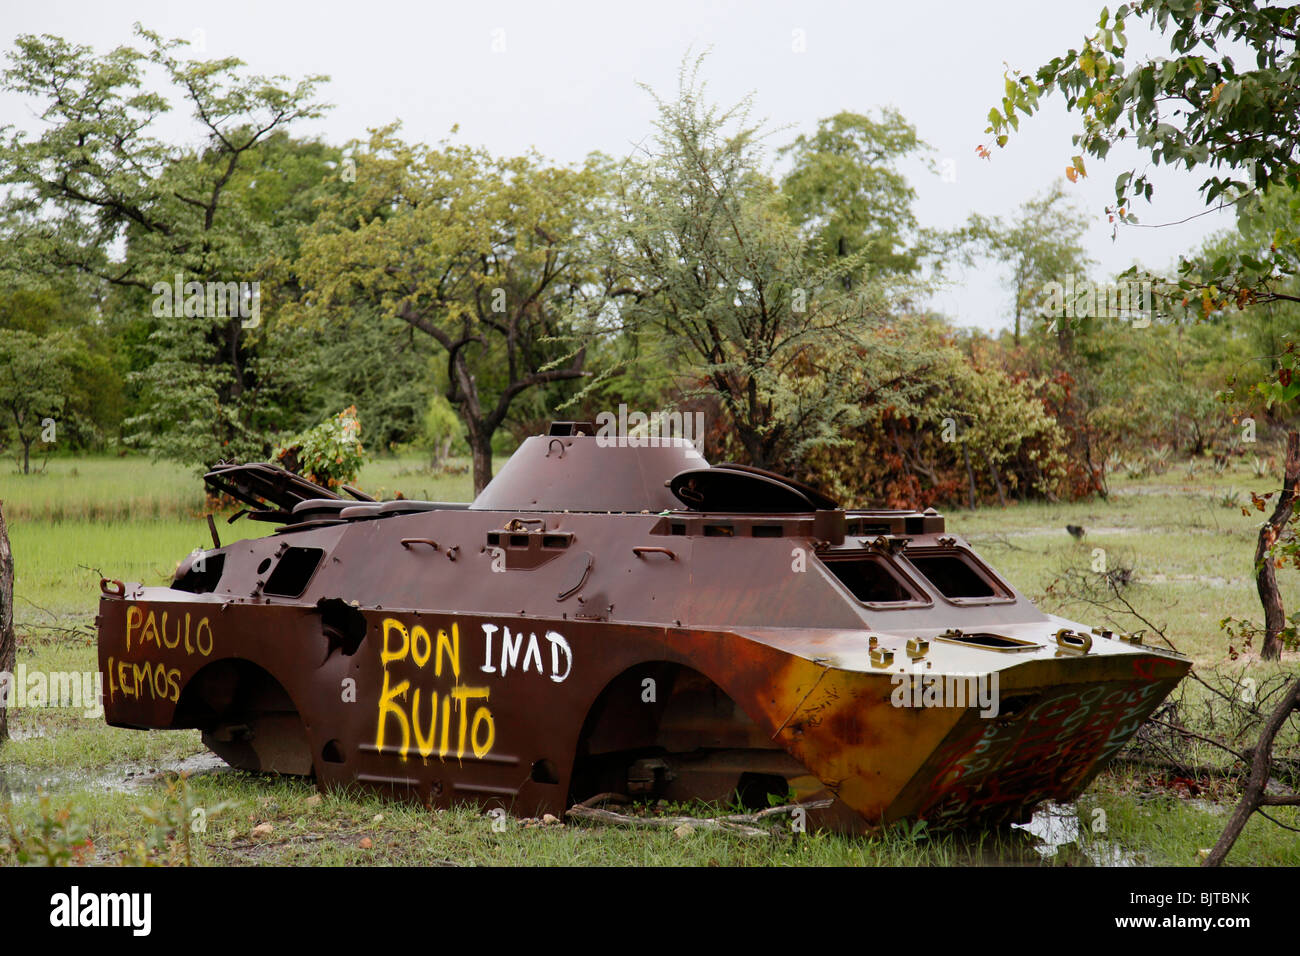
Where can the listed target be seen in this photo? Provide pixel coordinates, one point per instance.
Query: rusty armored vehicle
(607, 617)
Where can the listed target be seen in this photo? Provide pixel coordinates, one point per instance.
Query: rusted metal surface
(581, 629)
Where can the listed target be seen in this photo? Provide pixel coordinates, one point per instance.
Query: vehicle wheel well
(229, 688)
(247, 718)
(664, 729)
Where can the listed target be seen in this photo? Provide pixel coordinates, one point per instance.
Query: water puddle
(20, 783)
(27, 733)
(1057, 830)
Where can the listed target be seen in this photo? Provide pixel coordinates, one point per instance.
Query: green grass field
(1191, 554)
(1188, 549)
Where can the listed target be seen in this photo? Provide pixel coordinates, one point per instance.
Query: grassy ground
(105, 488)
(131, 519)
(1188, 549)
(253, 820)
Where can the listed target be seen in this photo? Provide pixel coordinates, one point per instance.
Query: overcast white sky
(566, 83)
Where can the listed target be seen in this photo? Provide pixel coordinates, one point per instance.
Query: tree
(1197, 108)
(708, 255)
(94, 403)
(98, 176)
(440, 430)
(970, 426)
(1041, 245)
(8, 642)
(1270, 323)
(376, 362)
(34, 383)
(845, 190)
(489, 257)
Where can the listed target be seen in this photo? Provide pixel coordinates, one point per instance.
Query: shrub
(329, 454)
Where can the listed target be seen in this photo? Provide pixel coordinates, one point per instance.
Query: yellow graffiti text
(416, 646)
(429, 720)
(143, 629)
(137, 680)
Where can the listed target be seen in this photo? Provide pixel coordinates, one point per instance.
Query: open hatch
(272, 491)
(958, 576)
(738, 489)
(873, 579)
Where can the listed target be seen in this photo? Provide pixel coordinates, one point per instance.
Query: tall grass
(133, 488)
(384, 477)
(58, 564)
(101, 488)
(133, 519)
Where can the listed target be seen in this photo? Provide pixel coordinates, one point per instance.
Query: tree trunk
(27, 458)
(752, 442)
(1096, 474)
(1064, 337)
(8, 642)
(1261, 763)
(439, 454)
(997, 482)
(480, 447)
(1265, 575)
(970, 473)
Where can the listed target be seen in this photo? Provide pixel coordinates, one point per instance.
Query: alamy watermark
(74, 909)
(212, 300)
(23, 688)
(637, 429)
(1080, 298)
(947, 690)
